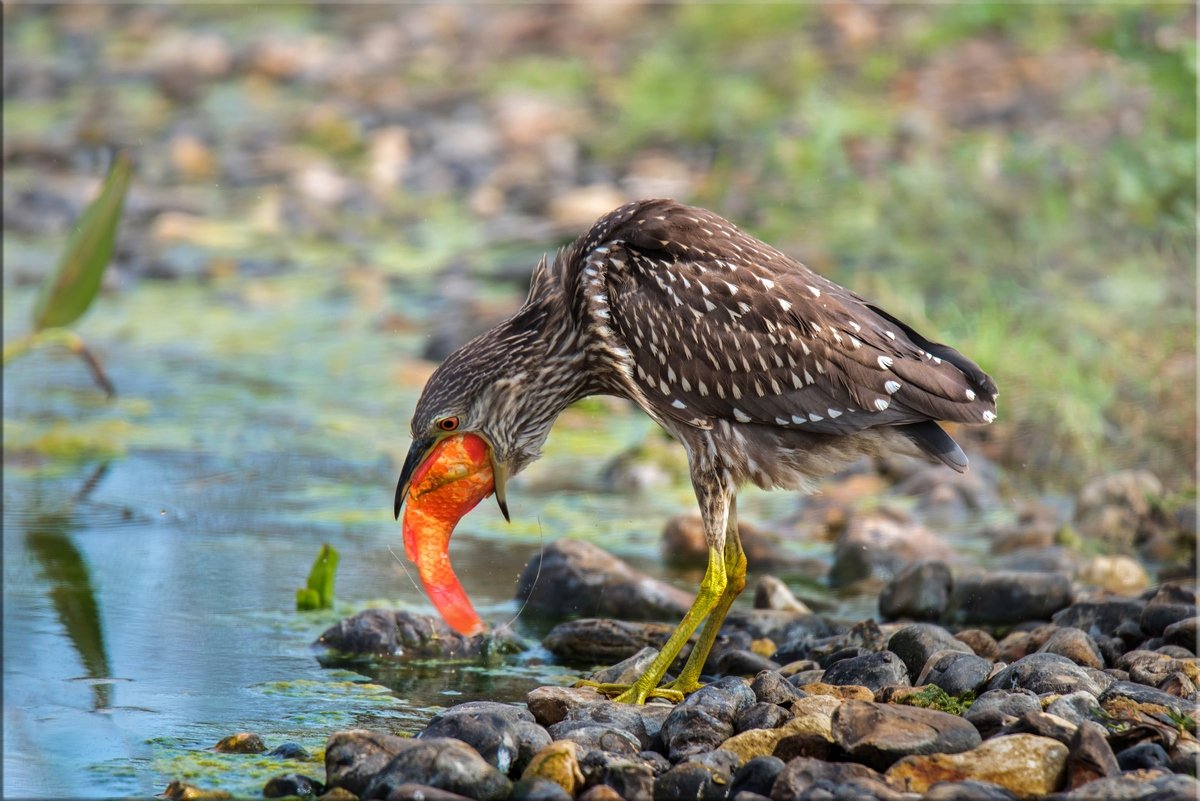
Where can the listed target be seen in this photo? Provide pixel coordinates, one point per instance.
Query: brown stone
(551, 704)
(1026, 765)
(1075, 645)
(559, 763)
(1090, 756)
(979, 641)
(812, 715)
(879, 734)
(846, 692)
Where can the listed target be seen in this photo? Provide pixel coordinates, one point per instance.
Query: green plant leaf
(70, 290)
(318, 594)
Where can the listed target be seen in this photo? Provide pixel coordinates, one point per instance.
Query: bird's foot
(683, 685)
(636, 693)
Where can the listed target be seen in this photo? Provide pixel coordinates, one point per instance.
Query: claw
(632, 693)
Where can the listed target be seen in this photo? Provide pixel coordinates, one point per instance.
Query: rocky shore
(1058, 677)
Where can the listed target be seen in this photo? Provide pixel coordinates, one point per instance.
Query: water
(153, 545)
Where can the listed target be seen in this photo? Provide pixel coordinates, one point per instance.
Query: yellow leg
(735, 572)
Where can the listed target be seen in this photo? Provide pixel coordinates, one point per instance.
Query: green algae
(934, 697)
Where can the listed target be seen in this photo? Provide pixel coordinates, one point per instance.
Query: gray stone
(879, 544)
(1141, 694)
(444, 763)
(595, 737)
(995, 709)
(756, 776)
(539, 789)
(292, 784)
(916, 643)
(874, 670)
(551, 703)
(705, 718)
(1099, 618)
(967, 791)
(761, 716)
(643, 723)
(1075, 645)
(1048, 673)
(802, 773)
(771, 687)
(919, 591)
(1182, 633)
(505, 736)
(629, 778)
(1144, 756)
(955, 672)
(1163, 787)
(1007, 597)
(879, 734)
(1075, 707)
(604, 641)
(1090, 757)
(386, 632)
(705, 778)
(578, 579)
(412, 791)
(354, 757)
(627, 671)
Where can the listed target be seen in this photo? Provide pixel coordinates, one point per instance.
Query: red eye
(448, 423)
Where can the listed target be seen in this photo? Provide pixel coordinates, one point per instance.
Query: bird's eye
(448, 423)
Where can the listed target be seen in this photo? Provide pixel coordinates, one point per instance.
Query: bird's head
(491, 388)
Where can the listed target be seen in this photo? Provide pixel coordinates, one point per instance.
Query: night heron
(765, 372)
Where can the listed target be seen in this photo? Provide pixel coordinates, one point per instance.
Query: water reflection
(48, 540)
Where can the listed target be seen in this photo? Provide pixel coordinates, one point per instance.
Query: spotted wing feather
(721, 326)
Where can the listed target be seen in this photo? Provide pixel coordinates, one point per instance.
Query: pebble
(604, 641)
(771, 593)
(387, 632)
(551, 703)
(880, 544)
(1075, 707)
(873, 671)
(955, 672)
(919, 591)
(705, 777)
(979, 641)
(802, 773)
(756, 775)
(1100, 618)
(1024, 764)
(705, 718)
(575, 578)
(1143, 756)
(1006, 597)
(969, 790)
(1075, 645)
(626, 777)
(557, 762)
(879, 734)
(292, 784)
(445, 764)
(915, 644)
(770, 687)
(1049, 673)
(1090, 756)
(539, 790)
(506, 736)
(996, 709)
(1156, 617)
(354, 757)
(240, 743)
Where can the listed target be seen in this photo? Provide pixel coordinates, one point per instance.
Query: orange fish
(453, 477)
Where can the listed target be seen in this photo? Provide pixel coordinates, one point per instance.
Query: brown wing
(720, 325)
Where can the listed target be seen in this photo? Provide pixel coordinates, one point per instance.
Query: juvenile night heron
(765, 371)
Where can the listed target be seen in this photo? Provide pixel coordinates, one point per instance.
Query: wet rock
(595, 737)
(1119, 575)
(873, 671)
(738, 662)
(1155, 618)
(955, 672)
(1143, 695)
(797, 638)
(1182, 633)
(550, 704)
(756, 775)
(1075, 645)
(1099, 618)
(643, 723)
(1185, 757)
(1118, 508)
(967, 791)
(1179, 685)
(290, 751)
(292, 784)
(354, 757)
(1049, 673)
(1141, 786)
(1043, 725)
(387, 632)
(771, 593)
(879, 734)
(602, 792)
(603, 641)
(810, 716)
(705, 718)
(444, 763)
(627, 671)
(918, 591)
(879, 544)
(770, 687)
(579, 579)
(412, 791)
(979, 641)
(240, 743)
(996, 709)
(706, 778)
(1143, 756)
(761, 716)
(1024, 764)
(916, 643)
(1090, 757)
(628, 778)
(182, 791)
(538, 790)
(1075, 707)
(1007, 597)
(1055, 559)
(684, 545)
(802, 775)
(557, 762)
(505, 736)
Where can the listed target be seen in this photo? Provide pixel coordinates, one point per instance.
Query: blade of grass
(70, 290)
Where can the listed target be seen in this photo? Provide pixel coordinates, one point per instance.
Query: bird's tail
(936, 443)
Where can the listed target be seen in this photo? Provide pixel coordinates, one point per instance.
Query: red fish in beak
(454, 476)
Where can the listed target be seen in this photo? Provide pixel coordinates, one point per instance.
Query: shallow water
(153, 545)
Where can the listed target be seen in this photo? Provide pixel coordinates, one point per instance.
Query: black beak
(416, 454)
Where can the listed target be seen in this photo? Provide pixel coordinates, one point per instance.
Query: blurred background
(327, 200)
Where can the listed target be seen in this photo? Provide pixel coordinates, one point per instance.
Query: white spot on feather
(989, 416)
(798, 420)
(881, 404)
(833, 412)
(678, 404)
(970, 395)
(816, 292)
(885, 362)
(741, 416)
(784, 304)
(816, 418)
(892, 387)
